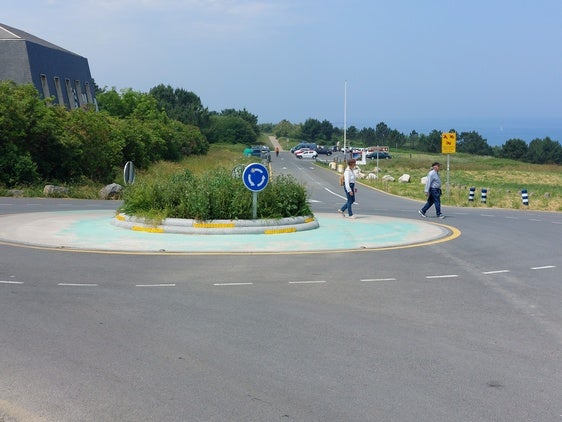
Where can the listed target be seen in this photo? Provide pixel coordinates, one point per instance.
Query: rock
(372, 176)
(423, 180)
(16, 193)
(112, 191)
(57, 191)
(405, 178)
(388, 178)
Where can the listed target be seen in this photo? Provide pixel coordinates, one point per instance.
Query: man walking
(433, 191)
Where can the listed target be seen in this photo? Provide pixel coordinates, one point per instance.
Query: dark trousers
(434, 198)
(350, 200)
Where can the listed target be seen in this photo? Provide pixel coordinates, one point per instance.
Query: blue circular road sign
(255, 177)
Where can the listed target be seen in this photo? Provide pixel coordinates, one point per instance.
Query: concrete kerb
(217, 227)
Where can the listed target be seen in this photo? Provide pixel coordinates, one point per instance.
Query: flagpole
(345, 120)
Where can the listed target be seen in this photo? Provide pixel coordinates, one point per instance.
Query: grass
(503, 179)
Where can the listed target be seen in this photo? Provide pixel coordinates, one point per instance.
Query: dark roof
(10, 33)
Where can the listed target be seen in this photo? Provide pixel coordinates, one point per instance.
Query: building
(54, 71)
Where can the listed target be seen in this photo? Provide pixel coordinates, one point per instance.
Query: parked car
(381, 155)
(323, 150)
(302, 145)
(309, 153)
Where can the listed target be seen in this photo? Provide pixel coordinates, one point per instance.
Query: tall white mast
(345, 118)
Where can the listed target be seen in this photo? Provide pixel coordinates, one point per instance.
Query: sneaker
(341, 212)
(422, 214)
(352, 217)
(441, 216)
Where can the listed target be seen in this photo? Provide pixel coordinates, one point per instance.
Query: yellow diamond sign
(448, 143)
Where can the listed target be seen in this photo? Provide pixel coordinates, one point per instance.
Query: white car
(306, 154)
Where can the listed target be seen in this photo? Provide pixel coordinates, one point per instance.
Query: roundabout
(96, 231)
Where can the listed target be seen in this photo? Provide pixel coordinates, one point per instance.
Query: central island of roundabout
(321, 232)
(108, 231)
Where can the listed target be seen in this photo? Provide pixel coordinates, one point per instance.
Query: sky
(351, 62)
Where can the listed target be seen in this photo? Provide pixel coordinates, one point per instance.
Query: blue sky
(402, 60)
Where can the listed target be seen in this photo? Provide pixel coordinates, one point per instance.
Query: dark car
(381, 155)
(323, 150)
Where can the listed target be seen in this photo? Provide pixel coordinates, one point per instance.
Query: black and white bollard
(471, 194)
(525, 197)
(484, 195)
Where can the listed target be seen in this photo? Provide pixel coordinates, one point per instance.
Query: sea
(495, 131)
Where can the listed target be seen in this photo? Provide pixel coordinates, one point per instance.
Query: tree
(311, 130)
(515, 149)
(382, 134)
(326, 130)
(431, 142)
(181, 105)
(473, 143)
(544, 151)
(231, 130)
(252, 119)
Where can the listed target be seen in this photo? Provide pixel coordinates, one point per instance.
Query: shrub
(215, 195)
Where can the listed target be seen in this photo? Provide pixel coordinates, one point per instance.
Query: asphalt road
(464, 330)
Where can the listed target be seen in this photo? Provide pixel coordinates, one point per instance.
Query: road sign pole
(254, 205)
(448, 156)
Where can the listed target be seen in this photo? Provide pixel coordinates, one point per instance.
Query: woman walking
(349, 187)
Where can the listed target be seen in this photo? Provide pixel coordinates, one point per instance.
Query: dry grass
(503, 179)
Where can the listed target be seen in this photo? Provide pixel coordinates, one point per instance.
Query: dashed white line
(232, 284)
(545, 267)
(378, 279)
(495, 272)
(307, 282)
(156, 285)
(10, 282)
(442, 276)
(77, 284)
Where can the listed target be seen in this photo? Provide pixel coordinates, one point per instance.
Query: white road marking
(77, 284)
(307, 282)
(495, 272)
(544, 267)
(156, 285)
(10, 282)
(336, 194)
(442, 276)
(232, 284)
(378, 279)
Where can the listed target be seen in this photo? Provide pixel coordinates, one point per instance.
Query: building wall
(55, 72)
(62, 75)
(14, 65)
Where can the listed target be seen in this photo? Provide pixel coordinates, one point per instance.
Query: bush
(215, 195)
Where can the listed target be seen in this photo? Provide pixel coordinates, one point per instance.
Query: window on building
(45, 86)
(72, 100)
(88, 93)
(79, 94)
(58, 88)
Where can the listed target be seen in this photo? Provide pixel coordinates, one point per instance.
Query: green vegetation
(503, 178)
(210, 192)
(539, 151)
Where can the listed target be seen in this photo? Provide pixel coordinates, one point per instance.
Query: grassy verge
(503, 179)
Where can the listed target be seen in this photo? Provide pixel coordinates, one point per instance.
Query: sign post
(448, 146)
(129, 173)
(255, 178)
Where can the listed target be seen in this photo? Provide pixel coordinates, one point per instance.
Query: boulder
(112, 191)
(405, 178)
(57, 191)
(388, 178)
(372, 176)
